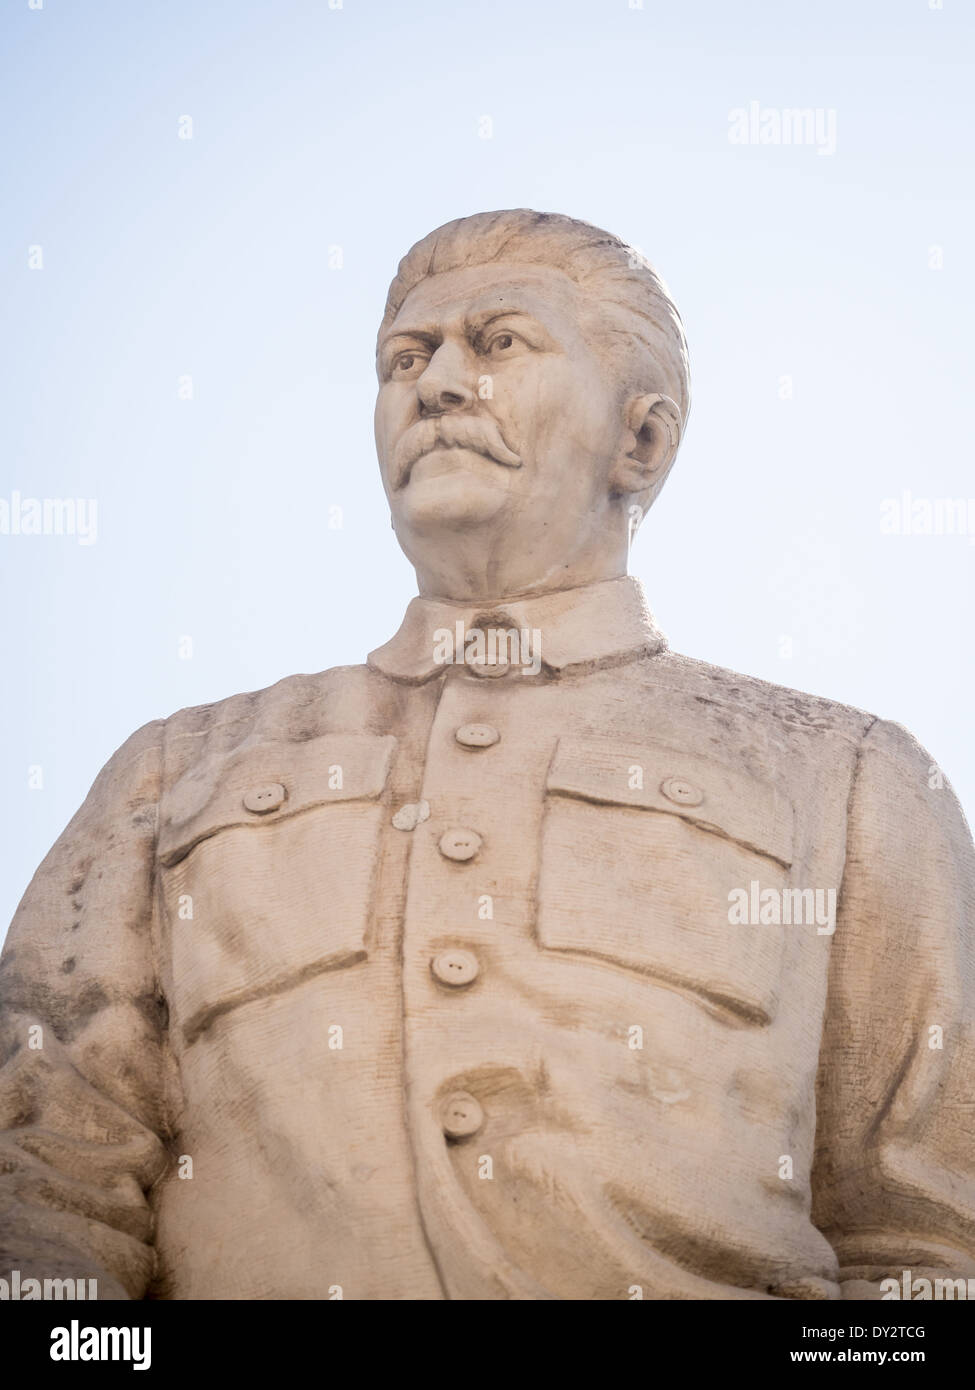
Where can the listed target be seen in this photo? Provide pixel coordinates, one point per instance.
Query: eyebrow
(423, 335)
(481, 318)
(477, 321)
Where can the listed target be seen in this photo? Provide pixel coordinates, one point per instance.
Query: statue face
(496, 412)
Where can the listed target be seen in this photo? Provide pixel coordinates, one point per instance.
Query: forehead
(542, 291)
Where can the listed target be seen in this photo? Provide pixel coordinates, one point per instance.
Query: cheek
(562, 412)
(389, 419)
(530, 396)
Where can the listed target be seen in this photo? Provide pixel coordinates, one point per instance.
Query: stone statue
(528, 960)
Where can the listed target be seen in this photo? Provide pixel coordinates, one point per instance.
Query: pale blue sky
(361, 127)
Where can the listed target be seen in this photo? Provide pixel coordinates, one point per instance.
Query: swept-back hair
(633, 312)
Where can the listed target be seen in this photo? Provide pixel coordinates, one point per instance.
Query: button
(683, 792)
(411, 815)
(481, 666)
(460, 844)
(476, 735)
(260, 800)
(455, 968)
(461, 1115)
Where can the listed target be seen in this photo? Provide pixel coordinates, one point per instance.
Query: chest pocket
(268, 861)
(642, 849)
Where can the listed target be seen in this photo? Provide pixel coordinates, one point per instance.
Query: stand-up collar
(588, 627)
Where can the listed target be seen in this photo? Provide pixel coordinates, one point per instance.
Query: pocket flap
(268, 781)
(701, 790)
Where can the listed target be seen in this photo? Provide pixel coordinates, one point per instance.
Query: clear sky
(824, 283)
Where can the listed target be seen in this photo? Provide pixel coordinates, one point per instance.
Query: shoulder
(763, 701)
(294, 709)
(893, 778)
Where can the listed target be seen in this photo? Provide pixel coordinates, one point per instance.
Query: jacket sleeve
(894, 1178)
(84, 1064)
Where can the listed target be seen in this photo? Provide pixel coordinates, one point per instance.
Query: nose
(445, 386)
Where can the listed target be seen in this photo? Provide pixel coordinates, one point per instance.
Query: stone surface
(667, 991)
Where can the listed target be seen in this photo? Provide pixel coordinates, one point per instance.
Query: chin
(456, 501)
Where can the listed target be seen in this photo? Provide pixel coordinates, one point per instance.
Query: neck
(462, 568)
(465, 584)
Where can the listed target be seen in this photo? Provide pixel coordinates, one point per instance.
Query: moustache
(476, 432)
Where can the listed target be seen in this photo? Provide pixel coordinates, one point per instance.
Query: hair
(633, 311)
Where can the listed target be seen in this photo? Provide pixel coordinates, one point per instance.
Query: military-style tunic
(431, 979)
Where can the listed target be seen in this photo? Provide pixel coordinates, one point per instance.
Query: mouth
(448, 434)
(448, 458)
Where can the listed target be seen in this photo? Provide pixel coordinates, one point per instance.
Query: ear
(649, 444)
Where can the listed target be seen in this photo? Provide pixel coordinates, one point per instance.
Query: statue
(528, 960)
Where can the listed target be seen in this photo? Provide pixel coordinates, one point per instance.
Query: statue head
(533, 394)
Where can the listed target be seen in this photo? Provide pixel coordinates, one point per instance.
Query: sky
(202, 207)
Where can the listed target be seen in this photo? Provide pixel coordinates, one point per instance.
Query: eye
(409, 363)
(504, 344)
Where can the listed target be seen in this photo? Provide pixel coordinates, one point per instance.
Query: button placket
(448, 990)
